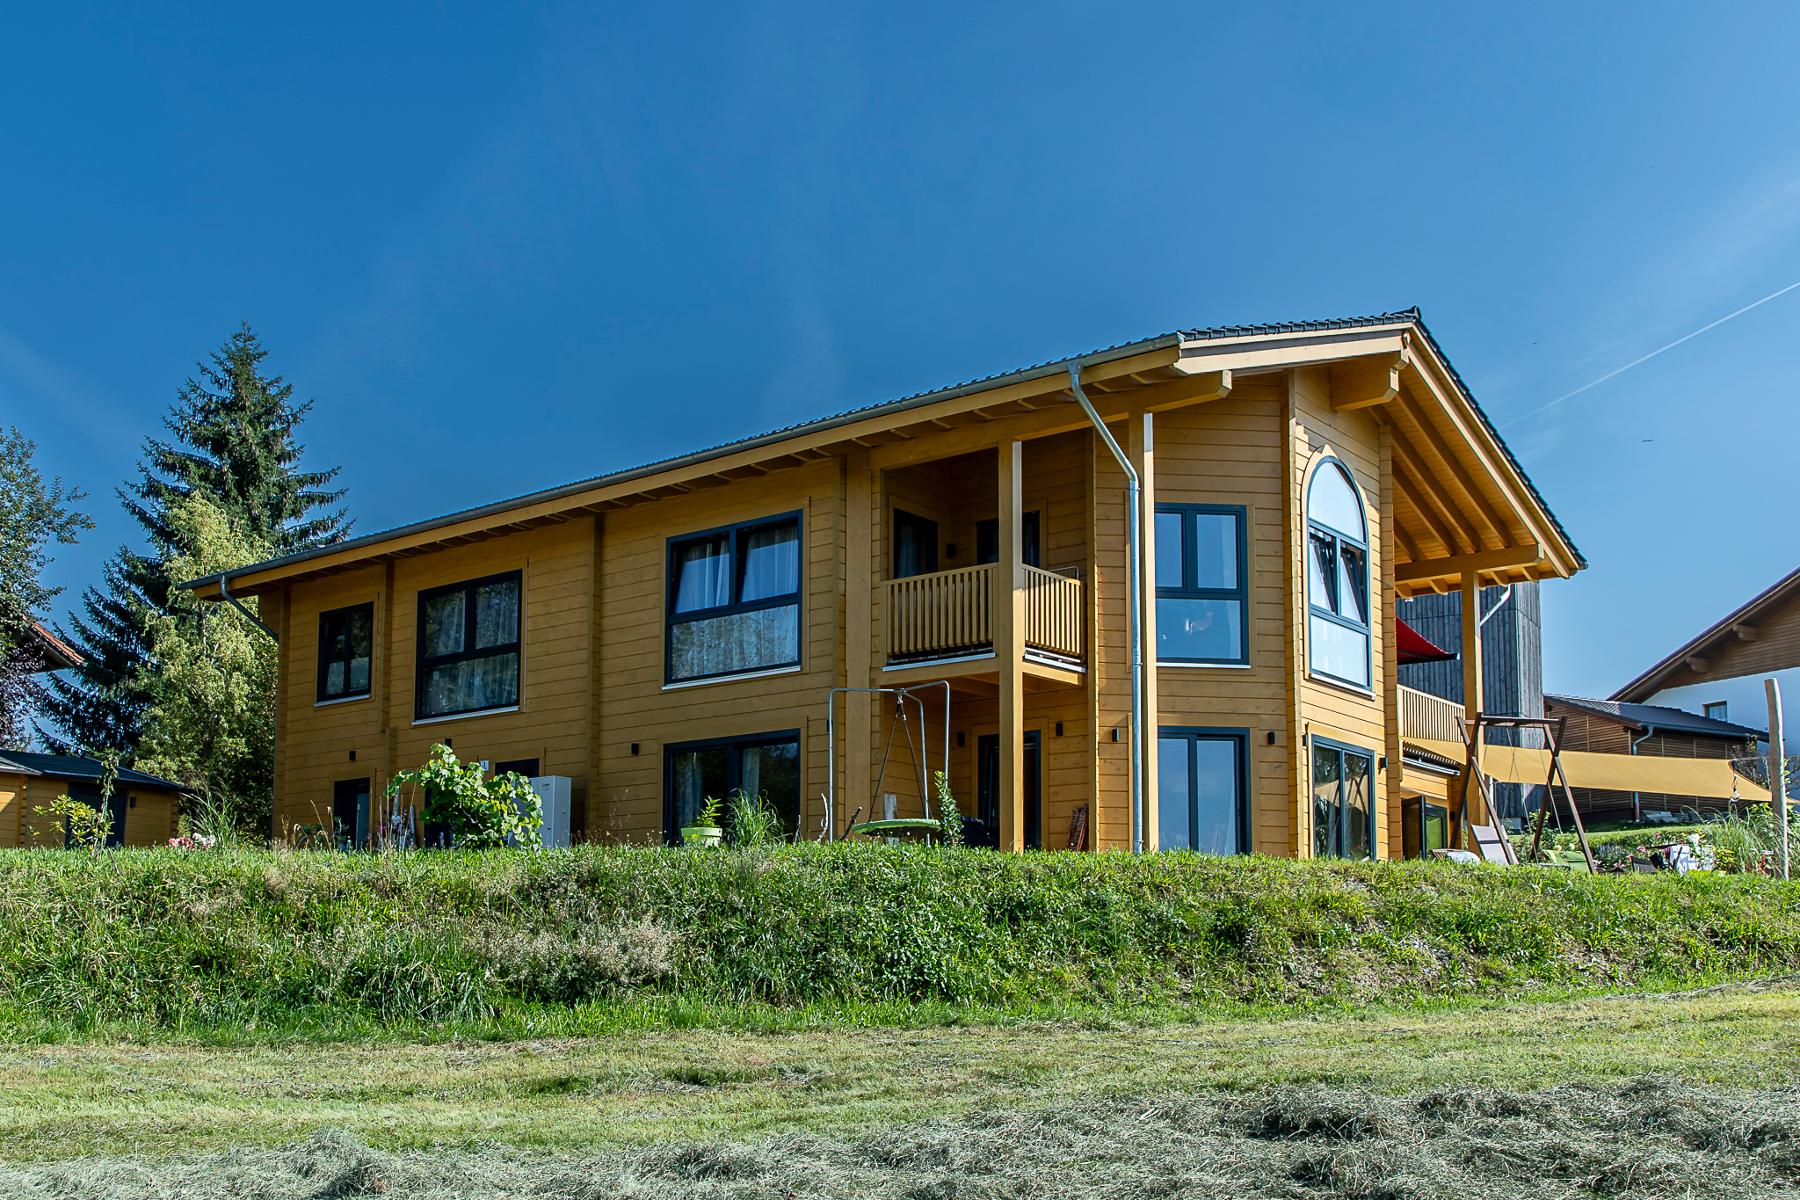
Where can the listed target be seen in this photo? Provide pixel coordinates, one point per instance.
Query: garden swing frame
(902, 697)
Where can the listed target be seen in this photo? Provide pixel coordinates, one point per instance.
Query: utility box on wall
(554, 797)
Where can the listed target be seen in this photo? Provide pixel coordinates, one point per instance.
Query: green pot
(702, 835)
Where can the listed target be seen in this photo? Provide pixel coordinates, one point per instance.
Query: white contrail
(1686, 337)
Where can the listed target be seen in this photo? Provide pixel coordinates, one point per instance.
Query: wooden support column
(1009, 645)
(1472, 699)
(862, 545)
(1140, 446)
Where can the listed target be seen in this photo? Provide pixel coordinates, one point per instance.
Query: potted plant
(706, 830)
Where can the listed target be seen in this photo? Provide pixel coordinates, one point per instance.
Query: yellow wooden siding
(149, 812)
(1325, 709)
(633, 704)
(1229, 452)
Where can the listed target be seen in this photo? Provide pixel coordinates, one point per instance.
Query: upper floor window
(346, 643)
(1031, 548)
(915, 544)
(734, 599)
(1337, 577)
(468, 647)
(1201, 592)
(1716, 710)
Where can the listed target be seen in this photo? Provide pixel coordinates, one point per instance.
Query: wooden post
(1471, 665)
(1777, 768)
(1009, 645)
(1140, 445)
(862, 546)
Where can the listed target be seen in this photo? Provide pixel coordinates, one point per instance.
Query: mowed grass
(68, 1101)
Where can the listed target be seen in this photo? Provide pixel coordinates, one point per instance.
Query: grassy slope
(504, 944)
(63, 1101)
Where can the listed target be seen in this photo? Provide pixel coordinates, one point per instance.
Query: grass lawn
(80, 1099)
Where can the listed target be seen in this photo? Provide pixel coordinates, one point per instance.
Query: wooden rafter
(1448, 505)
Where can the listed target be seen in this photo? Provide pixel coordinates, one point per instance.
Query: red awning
(1415, 647)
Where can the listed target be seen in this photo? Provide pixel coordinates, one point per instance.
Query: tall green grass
(208, 943)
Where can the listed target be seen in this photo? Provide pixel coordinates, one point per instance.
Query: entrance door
(987, 800)
(89, 794)
(350, 813)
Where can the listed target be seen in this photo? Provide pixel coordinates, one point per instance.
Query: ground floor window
(1343, 811)
(350, 814)
(1202, 797)
(1425, 826)
(766, 765)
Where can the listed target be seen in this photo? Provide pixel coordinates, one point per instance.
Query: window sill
(1202, 666)
(336, 700)
(1355, 689)
(770, 673)
(480, 712)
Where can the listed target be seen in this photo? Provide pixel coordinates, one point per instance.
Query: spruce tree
(232, 440)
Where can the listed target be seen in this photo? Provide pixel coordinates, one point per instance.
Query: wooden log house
(673, 631)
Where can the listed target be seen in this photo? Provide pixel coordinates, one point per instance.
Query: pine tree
(232, 441)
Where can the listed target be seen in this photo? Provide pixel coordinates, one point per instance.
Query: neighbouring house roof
(1409, 319)
(1658, 717)
(73, 767)
(49, 652)
(1771, 597)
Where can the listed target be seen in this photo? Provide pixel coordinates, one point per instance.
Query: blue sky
(491, 241)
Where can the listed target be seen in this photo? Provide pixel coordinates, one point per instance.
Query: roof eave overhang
(1133, 363)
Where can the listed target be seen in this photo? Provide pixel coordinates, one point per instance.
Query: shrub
(479, 812)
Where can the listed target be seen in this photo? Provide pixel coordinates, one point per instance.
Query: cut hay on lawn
(1651, 1138)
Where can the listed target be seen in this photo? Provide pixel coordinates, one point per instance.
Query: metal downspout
(1637, 798)
(225, 594)
(1134, 604)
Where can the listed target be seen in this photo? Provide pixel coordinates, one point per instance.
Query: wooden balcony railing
(1429, 718)
(949, 613)
(1052, 612)
(941, 614)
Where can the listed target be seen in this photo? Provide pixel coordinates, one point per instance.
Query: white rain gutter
(1134, 540)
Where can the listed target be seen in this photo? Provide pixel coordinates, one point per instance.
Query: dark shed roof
(1657, 716)
(72, 767)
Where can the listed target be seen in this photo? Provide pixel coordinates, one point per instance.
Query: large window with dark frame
(1202, 792)
(1343, 804)
(346, 646)
(468, 647)
(1201, 592)
(764, 765)
(1337, 577)
(734, 599)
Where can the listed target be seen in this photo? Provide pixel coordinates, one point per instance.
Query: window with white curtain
(734, 599)
(1337, 577)
(468, 653)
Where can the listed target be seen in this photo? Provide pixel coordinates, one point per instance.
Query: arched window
(1337, 577)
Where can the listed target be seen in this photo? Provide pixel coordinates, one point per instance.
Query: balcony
(950, 614)
(1424, 717)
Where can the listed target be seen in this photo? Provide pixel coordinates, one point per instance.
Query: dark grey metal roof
(1659, 717)
(69, 766)
(917, 399)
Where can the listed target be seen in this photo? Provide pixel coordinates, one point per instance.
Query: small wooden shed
(143, 806)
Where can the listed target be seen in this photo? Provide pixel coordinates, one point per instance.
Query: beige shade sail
(1709, 777)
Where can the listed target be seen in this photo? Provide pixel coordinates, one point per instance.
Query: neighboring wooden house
(143, 807)
(1720, 672)
(1620, 727)
(675, 630)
